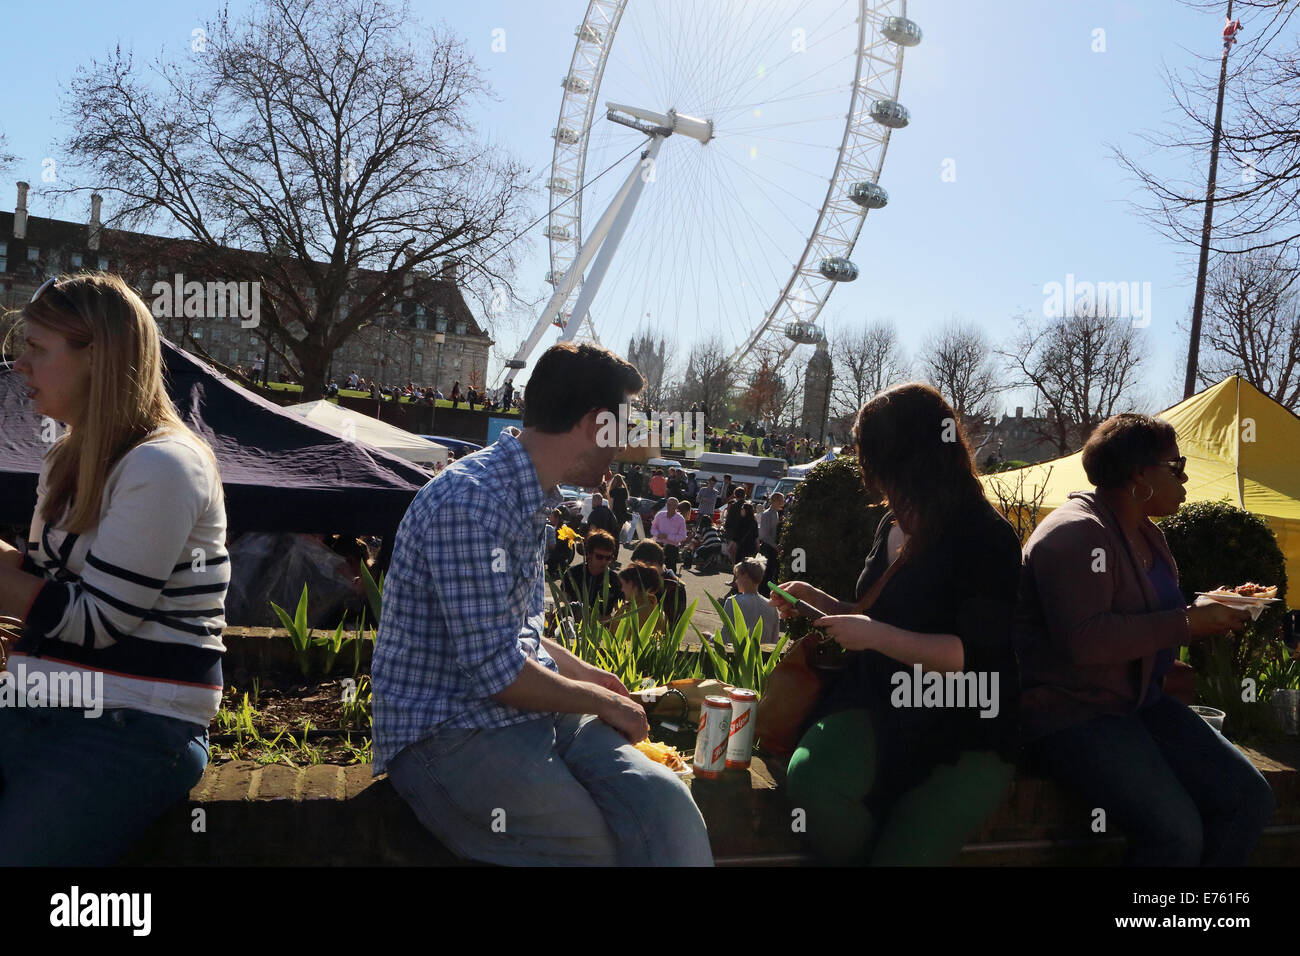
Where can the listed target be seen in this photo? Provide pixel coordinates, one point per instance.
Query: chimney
(1020, 411)
(20, 212)
(93, 229)
(449, 270)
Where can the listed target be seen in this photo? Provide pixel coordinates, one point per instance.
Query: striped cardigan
(139, 598)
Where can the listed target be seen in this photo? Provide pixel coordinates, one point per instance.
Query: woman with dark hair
(642, 586)
(617, 493)
(911, 747)
(1100, 619)
(746, 532)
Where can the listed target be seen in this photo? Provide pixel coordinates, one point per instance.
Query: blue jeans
(1181, 792)
(78, 791)
(563, 789)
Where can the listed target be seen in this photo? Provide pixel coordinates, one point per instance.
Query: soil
(286, 706)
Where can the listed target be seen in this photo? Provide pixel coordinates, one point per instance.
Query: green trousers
(834, 768)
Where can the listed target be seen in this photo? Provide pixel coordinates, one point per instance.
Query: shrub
(828, 531)
(1217, 544)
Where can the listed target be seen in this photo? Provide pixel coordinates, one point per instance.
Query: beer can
(740, 739)
(711, 741)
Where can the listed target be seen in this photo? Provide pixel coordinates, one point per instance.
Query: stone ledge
(340, 816)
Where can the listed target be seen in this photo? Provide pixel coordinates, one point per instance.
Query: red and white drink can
(740, 740)
(711, 741)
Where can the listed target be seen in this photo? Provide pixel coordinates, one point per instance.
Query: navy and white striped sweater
(140, 597)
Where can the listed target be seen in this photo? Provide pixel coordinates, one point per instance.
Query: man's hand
(603, 678)
(624, 715)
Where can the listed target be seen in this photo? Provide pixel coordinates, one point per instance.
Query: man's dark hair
(650, 551)
(600, 540)
(571, 380)
(1123, 445)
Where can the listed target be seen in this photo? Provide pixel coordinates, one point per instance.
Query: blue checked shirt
(463, 601)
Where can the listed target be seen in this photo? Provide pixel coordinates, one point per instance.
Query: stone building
(429, 336)
(817, 393)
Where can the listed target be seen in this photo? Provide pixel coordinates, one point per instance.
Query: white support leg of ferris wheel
(609, 243)
(612, 223)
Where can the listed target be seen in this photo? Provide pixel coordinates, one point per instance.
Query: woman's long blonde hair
(126, 401)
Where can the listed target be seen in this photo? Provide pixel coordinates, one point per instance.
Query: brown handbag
(795, 686)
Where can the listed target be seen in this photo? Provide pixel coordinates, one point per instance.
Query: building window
(440, 322)
(252, 340)
(197, 333)
(419, 358)
(103, 264)
(4, 248)
(460, 328)
(234, 354)
(216, 335)
(74, 260)
(33, 253)
(4, 264)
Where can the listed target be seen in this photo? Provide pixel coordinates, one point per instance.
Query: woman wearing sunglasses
(1101, 617)
(120, 592)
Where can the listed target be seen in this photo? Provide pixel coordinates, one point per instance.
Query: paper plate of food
(1250, 596)
(666, 755)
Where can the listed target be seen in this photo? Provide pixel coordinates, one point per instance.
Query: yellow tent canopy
(1241, 446)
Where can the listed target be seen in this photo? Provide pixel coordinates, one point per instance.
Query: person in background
(559, 552)
(658, 484)
(636, 482)
(455, 394)
(673, 591)
(594, 584)
(109, 592)
(731, 522)
(603, 517)
(707, 500)
(746, 532)
(692, 487)
(769, 535)
(1101, 617)
(728, 489)
(708, 546)
(641, 586)
(749, 574)
(676, 484)
(617, 492)
(669, 529)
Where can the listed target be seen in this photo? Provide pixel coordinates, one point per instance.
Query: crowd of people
(1066, 649)
(750, 439)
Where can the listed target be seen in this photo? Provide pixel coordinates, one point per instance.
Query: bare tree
(1252, 323)
(709, 375)
(314, 138)
(6, 157)
(957, 361)
(1253, 194)
(1083, 368)
(867, 359)
(1020, 505)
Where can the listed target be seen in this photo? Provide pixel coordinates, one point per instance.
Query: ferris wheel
(735, 150)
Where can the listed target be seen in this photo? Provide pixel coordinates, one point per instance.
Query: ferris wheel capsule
(890, 113)
(559, 185)
(569, 136)
(838, 269)
(869, 195)
(575, 84)
(805, 333)
(553, 277)
(588, 34)
(901, 30)
(556, 232)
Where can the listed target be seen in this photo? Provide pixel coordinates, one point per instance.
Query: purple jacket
(1088, 625)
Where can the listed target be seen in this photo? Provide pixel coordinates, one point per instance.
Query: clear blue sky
(1011, 92)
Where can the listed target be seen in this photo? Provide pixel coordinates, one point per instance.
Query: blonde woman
(121, 590)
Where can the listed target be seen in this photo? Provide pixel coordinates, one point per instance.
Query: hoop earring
(1150, 493)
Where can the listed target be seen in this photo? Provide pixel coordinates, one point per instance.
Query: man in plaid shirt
(509, 748)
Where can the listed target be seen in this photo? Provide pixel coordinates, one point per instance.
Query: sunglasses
(44, 285)
(1176, 465)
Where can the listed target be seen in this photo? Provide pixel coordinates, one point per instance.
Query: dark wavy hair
(1123, 445)
(915, 457)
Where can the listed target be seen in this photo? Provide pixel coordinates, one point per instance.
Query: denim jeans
(1181, 792)
(563, 789)
(78, 791)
